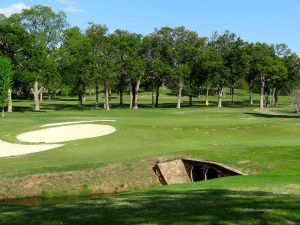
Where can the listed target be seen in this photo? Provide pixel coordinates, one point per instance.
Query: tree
(277, 78)
(238, 62)
(2, 18)
(5, 81)
(161, 71)
(15, 44)
(53, 79)
(262, 67)
(292, 64)
(109, 70)
(135, 66)
(151, 53)
(121, 41)
(98, 39)
(234, 56)
(251, 76)
(178, 48)
(46, 27)
(44, 24)
(75, 61)
(220, 66)
(130, 63)
(289, 78)
(178, 74)
(217, 72)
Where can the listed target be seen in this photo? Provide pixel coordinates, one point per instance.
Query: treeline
(46, 55)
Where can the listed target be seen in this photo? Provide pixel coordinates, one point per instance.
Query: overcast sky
(271, 21)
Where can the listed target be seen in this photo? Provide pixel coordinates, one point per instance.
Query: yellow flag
(206, 102)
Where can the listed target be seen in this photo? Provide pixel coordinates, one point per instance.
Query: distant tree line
(46, 55)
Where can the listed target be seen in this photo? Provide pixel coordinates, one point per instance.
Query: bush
(242, 84)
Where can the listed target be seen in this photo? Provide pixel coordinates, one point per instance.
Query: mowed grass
(267, 147)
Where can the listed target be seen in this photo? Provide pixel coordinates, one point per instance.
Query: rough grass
(263, 145)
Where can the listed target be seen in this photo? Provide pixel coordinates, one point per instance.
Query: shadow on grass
(23, 109)
(164, 207)
(271, 116)
(197, 104)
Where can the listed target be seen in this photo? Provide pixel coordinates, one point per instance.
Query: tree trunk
(131, 95)
(250, 97)
(276, 94)
(36, 96)
(49, 95)
(121, 95)
(190, 100)
(152, 96)
(36, 92)
(41, 96)
(2, 111)
(180, 86)
(220, 95)
(207, 92)
(156, 96)
(106, 97)
(97, 95)
(136, 94)
(80, 100)
(9, 105)
(266, 99)
(232, 94)
(262, 91)
(273, 97)
(199, 93)
(109, 97)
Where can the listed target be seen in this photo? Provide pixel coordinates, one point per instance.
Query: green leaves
(75, 59)
(44, 24)
(5, 80)
(41, 49)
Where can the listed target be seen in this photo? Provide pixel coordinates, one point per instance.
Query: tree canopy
(47, 54)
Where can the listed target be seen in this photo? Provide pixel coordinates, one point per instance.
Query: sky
(270, 21)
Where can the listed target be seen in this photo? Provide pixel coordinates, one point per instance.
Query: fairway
(264, 146)
(222, 135)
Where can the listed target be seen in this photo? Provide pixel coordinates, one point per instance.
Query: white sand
(75, 122)
(66, 133)
(9, 149)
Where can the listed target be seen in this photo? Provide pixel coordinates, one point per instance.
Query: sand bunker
(9, 149)
(75, 122)
(66, 133)
(53, 135)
